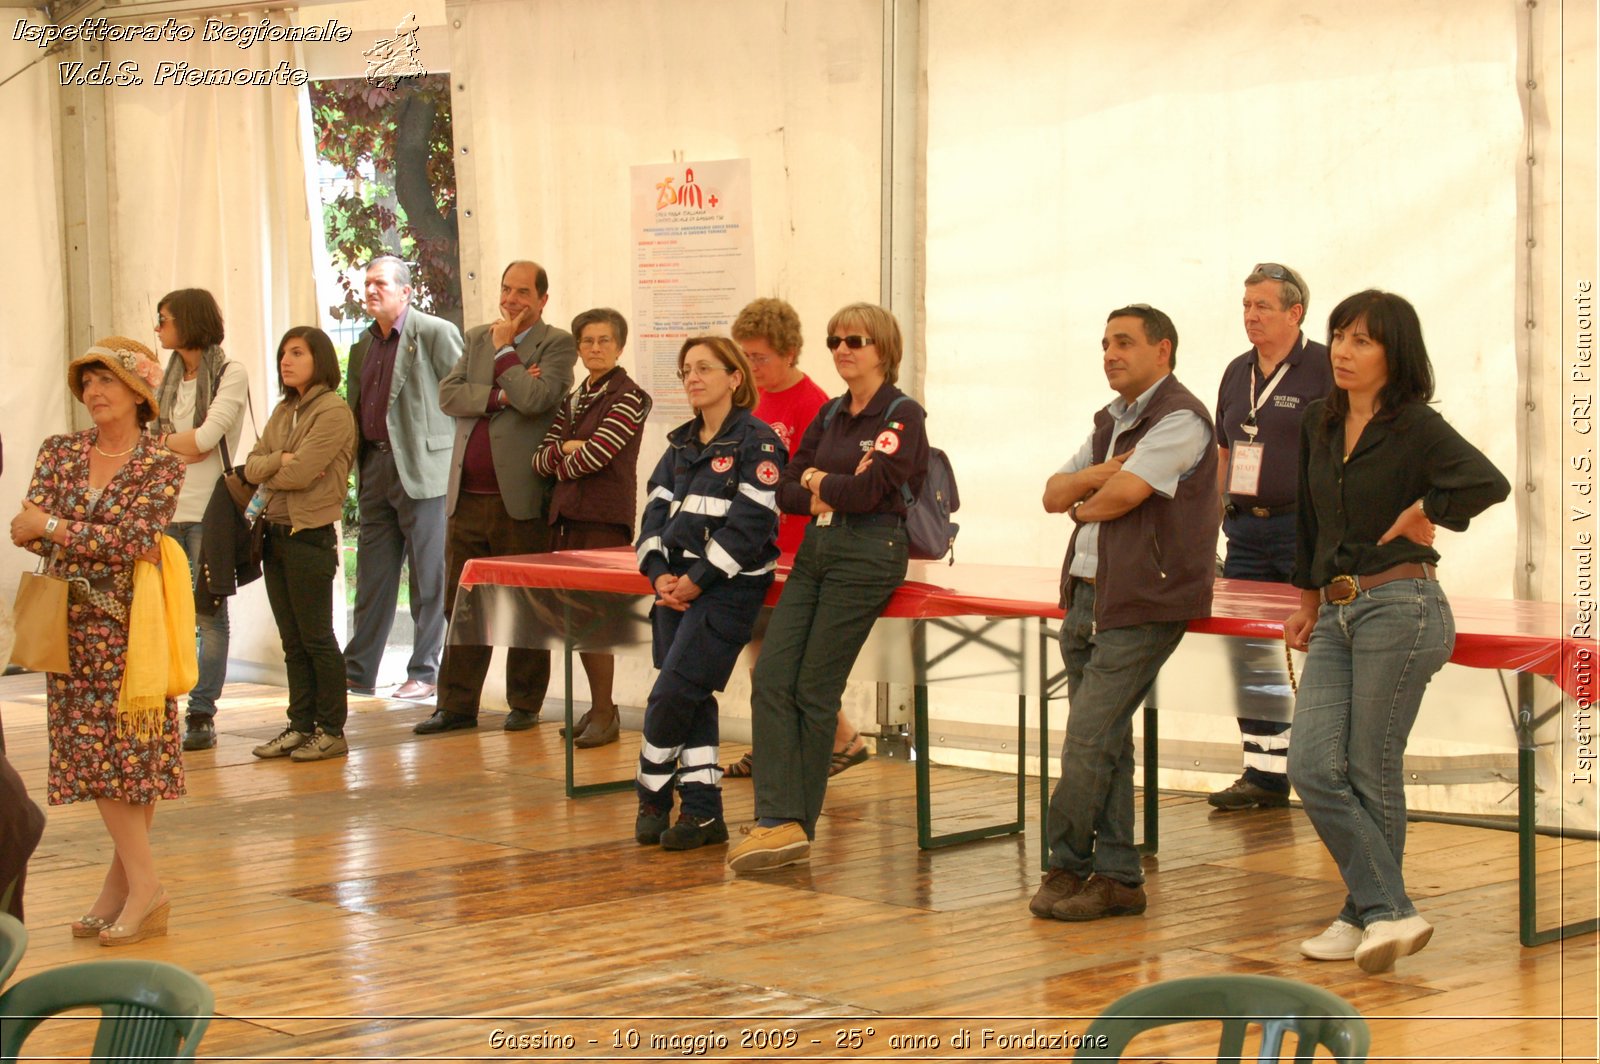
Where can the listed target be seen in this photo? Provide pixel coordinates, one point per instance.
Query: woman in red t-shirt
(769, 332)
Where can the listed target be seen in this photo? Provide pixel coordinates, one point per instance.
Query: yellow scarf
(161, 661)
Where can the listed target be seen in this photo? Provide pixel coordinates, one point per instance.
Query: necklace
(115, 454)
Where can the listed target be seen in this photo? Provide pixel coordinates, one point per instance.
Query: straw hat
(130, 361)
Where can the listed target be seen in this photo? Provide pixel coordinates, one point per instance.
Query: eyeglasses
(704, 369)
(598, 341)
(854, 343)
(162, 319)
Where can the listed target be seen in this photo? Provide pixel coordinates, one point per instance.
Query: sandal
(843, 759)
(740, 769)
(90, 925)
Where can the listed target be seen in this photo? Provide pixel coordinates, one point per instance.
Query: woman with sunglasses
(708, 542)
(1378, 469)
(848, 473)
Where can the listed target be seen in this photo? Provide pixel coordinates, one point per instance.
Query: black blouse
(1344, 505)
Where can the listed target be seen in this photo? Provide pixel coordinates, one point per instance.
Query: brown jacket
(319, 430)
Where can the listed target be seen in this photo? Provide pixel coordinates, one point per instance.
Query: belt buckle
(1260, 511)
(1346, 598)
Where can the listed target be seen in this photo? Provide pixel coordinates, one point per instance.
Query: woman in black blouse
(858, 453)
(1379, 468)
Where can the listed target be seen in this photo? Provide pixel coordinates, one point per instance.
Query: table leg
(1527, 831)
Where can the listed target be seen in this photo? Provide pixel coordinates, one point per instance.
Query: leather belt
(876, 520)
(1343, 589)
(380, 445)
(101, 594)
(1235, 510)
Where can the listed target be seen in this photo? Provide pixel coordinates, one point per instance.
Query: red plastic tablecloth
(1490, 633)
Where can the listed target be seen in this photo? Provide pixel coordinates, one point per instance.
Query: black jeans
(298, 569)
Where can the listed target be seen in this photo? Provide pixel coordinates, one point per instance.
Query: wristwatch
(50, 527)
(805, 481)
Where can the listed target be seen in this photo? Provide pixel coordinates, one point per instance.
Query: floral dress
(111, 528)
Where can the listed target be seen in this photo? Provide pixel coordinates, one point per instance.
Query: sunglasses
(854, 343)
(1279, 273)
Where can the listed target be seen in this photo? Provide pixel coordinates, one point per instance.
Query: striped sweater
(598, 481)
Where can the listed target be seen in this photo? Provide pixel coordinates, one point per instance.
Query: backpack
(931, 533)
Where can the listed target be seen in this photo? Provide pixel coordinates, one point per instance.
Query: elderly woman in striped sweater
(592, 451)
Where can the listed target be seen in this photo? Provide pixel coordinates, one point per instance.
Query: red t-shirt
(790, 413)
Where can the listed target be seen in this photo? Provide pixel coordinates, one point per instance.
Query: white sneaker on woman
(1386, 941)
(1337, 943)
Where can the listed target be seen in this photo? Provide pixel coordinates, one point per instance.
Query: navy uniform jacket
(712, 511)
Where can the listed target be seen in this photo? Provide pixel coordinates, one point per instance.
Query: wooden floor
(409, 902)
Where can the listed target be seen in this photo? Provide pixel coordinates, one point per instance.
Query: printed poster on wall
(694, 264)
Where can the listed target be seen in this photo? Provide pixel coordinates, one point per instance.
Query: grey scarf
(208, 376)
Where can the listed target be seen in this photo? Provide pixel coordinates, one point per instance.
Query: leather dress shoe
(443, 722)
(364, 692)
(579, 725)
(415, 691)
(520, 720)
(595, 735)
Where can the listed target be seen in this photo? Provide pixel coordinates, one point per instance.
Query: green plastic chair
(149, 1010)
(1277, 1006)
(13, 944)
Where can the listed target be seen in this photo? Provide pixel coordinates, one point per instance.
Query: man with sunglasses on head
(1142, 493)
(1263, 395)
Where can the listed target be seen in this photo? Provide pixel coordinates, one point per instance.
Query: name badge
(824, 520)
(1244, 468)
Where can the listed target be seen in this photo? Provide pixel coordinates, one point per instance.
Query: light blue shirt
(1172, 449)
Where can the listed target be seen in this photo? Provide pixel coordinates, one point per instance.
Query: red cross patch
(888, 442)
(722, 464)
(767, 473)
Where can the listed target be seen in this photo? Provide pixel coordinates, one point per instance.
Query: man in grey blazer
(503, 393)
(403, 465)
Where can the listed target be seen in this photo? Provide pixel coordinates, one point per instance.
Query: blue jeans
(1369, 663)
(1109, 672)
(211, 633)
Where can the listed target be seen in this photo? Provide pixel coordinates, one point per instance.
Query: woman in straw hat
(98, 502)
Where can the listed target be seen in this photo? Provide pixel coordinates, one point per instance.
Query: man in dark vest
(1139, 567)
(503, 394)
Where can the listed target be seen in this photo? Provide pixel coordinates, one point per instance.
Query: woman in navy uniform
(708, 541)
(853, 461)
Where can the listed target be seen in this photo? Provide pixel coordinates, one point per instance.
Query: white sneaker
(286, 743)
(1386, 941)
(1337, 943)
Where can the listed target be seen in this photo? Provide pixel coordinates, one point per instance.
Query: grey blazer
(419, 432)
(516, 430)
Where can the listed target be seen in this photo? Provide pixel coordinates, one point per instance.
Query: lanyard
(1249, 423)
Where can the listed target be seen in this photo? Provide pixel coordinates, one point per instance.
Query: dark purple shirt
(377, 375)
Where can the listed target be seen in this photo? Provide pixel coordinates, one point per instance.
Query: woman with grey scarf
(203, 399)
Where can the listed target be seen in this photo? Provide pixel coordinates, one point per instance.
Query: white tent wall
(209, 189)
(1367, 144)
(556, 99)
(1110, 167)
(34, 402)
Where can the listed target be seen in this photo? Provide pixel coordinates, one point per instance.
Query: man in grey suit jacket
(504, 394)
(403, 465)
